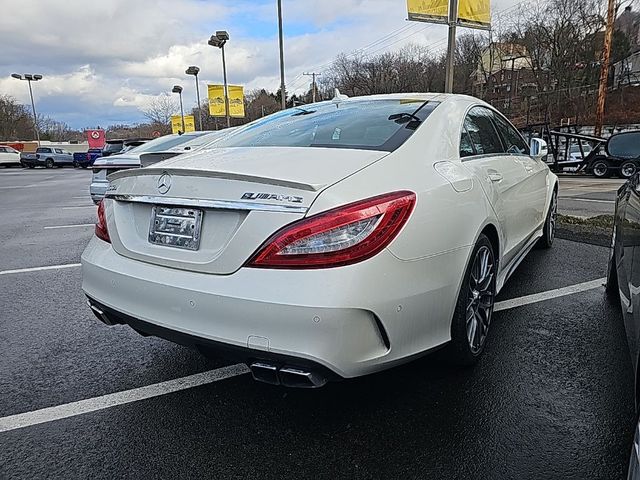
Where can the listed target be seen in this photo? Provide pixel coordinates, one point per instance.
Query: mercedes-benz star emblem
(164, 183)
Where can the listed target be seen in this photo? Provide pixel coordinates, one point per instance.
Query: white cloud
(103, 61)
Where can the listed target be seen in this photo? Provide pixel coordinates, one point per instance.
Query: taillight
(341, 236)
(101, 225)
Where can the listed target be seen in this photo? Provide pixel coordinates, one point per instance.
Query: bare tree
(160, 109)
(16, 123)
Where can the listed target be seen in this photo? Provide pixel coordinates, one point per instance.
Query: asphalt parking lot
(582, 196)
(551, 398)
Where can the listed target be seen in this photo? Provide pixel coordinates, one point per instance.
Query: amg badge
(271, 196)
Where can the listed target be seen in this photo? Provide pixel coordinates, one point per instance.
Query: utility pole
(313, 84)
(604, 67)
(283, 99)
(451, 45)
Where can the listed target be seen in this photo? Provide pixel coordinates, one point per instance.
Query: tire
(628, 169)
(76, 164)
(549, 229)
(474, 307)
(601, 169)
(31, 166)
(48, 163)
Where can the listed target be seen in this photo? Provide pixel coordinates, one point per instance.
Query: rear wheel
(49, 163)
(32, 166)
(474, 308)
(628, 169)
(601, 169)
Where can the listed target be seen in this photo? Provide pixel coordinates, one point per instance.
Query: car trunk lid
(231, 199)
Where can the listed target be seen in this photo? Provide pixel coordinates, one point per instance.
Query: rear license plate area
(177, 227)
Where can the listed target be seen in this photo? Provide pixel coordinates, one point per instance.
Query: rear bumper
(36, 162)
(350, 320)
(206, 346)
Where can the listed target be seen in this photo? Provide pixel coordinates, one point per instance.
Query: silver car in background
(169, 144)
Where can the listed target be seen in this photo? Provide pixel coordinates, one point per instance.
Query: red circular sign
(155, 134)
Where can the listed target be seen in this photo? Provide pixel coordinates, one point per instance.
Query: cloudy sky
(104, 60)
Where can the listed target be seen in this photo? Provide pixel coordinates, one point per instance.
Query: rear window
(358, 124)
(163, 144)
(43, 150)
(113, 147)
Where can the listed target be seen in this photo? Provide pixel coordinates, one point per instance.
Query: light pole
(31, 78)
(283, 99)
(218, 40)
(193, 70)
(178, 89)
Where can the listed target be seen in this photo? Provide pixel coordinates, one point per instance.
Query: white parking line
(548, 295)
(44, 415)
(37, 269)
(50, 414)
(70, 226)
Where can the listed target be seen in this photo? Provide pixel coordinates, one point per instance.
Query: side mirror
(538, 149)
(624, 145)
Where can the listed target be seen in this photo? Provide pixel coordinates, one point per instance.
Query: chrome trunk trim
(200, 203)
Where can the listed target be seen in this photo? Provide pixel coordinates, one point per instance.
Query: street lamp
(178, 89)
(218, 40)
(193, 70)
(31, 78)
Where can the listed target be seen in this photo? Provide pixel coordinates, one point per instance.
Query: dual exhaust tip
(287, 376)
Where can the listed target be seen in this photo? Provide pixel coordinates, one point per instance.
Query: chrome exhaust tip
(294, 377)
(100, 314)
(264, 372)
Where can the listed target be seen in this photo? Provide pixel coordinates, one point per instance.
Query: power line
(298, 81)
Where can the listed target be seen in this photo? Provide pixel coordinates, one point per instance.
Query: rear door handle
(495, 176)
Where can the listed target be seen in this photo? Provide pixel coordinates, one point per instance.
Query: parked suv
(9, 156)
(48, 157)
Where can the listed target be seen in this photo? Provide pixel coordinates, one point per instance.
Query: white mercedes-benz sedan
(327, 241)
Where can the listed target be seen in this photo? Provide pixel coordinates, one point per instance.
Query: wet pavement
(551, 398)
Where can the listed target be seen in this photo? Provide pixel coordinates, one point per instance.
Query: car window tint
(483, 134)
(43, 150)
(513, 141)
(3, 150)
(58, 150)
(466, 147)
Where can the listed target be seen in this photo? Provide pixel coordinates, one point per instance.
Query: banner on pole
(216, 100)
(236, 101)
(474, 13)
(471, 13)
(432, 11)
(95, 138)
(189, 123)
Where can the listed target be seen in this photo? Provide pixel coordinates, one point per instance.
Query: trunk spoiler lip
(134, 172)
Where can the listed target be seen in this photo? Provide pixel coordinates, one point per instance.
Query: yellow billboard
(433, 11)
(474, 13)
(471, 13)
(216, 100)
(189, 123)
